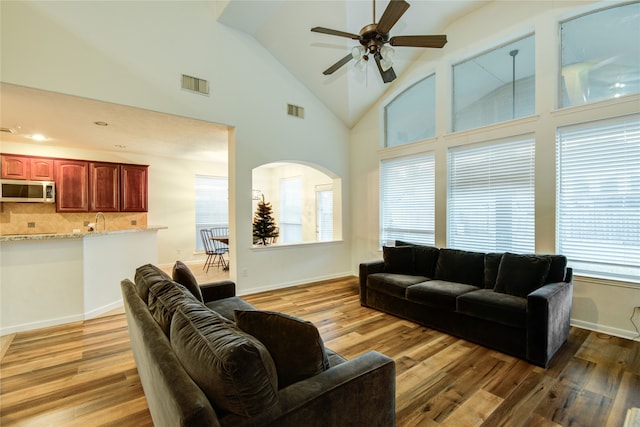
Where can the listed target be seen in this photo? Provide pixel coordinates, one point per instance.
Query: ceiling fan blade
(419, 41)
(337, 65)
(392, 13)
(335, 33)
(387, 76)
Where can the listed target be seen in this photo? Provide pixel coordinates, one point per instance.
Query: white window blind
(212, 204)
(324, 215)
(407, 199)
(290, 210)
(491, 197)
(598, 198)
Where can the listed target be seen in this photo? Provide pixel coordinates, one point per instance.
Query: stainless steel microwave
(16, 190)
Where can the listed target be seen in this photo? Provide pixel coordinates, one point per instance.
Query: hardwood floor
(83, 373)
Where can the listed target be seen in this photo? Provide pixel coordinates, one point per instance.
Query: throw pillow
(491, 265)
(398, 259)
(519, 275)
(146, 276)
(557, 269)
(165, 297)
(233, 369)
(426, 258)
(294, 344)
(185, 277)
(460, 266)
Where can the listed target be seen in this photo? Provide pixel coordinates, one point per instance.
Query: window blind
(598, 198)
(407, 199)
(290, 210)
(491, 197)
(212, 204)
(324, 215)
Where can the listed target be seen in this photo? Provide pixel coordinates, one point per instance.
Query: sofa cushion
(425, 258)
(491, 265)
(294, 344)
(438, 293)
(520, 275)
(165, 297)
(460, 266)
(557, 268)
(489, 305)
(226, 306)
(183, 275)
(398, 259)
(233, 369)
(146, 276)
(393, 284)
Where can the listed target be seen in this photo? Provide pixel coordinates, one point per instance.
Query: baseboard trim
(101, 310)
(616, 332)
(283, 285)
(41, 324)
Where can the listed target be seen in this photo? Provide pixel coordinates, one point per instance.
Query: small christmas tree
(264, 226)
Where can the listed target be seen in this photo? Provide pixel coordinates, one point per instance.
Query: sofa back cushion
(165, 297)
(557, 268)
(460, 266)
(233, 369)
(146, 276)
(183, 275)
(519, 275)
(294, 344)
(491, 265)
(398, 259)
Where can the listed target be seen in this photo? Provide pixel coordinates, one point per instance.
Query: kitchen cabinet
(72, 185)
(27, 167)
(104, 187)
(133, 188)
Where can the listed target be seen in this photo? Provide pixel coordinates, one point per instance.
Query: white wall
(598, 304)
(133, 53)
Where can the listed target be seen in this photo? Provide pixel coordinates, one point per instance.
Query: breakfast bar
(51, 279)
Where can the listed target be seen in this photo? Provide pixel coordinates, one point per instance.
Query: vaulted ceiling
(283, 28)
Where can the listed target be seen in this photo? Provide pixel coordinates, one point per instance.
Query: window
(411, 116)
(407, 199)
(598, 198)
(600, 55)
(324, 214)
(212, 204)
(491, 197)
(495, 86)
(290, 210)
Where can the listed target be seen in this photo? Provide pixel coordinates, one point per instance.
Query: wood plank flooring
(83, 374)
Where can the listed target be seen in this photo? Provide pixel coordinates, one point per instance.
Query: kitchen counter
(51, 279)
(48, 236)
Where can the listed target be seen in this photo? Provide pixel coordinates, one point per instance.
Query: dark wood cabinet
(104, 187)
(27, 167)
(72, 185)
(133, 188)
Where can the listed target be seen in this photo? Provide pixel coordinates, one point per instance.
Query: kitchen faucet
(104, 221)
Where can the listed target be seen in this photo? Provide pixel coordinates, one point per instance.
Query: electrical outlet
(134, 222)
(245, 272)
(86, 223)
(31, 225)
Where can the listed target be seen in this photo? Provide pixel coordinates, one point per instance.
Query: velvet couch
(517, 304)
(206, 357)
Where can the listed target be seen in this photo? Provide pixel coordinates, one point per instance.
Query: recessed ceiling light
(38, 137)
(100, 123)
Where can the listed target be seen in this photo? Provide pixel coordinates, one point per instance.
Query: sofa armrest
(367, 268)
(218, 290)
(358, 392)
(548, 320)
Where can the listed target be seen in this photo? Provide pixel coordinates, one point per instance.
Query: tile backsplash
(42, 218)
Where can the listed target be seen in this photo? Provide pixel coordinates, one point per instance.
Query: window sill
(278, 246)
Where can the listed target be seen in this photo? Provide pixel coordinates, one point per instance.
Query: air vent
(294, 110)
(195, 84)
(7, 130)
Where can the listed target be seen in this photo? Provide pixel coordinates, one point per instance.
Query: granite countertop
(49, 236)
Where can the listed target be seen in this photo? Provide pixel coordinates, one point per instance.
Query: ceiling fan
(374, 38)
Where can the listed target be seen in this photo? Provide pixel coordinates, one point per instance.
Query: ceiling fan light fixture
(357, 52)
(387, 54)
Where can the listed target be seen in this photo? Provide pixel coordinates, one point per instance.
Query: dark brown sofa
(517, 304)
(199, 368)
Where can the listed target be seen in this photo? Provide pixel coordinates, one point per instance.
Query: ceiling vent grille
(195, 84)
(296, 111)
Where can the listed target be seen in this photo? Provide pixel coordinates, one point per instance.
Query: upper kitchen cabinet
(72, 185)
(104, 187)
(27, 167)
(133, 188)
